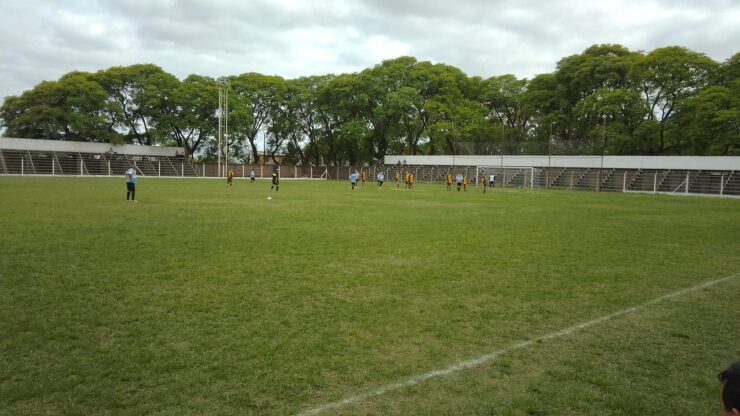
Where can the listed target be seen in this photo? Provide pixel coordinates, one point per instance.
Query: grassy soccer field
(206, 300)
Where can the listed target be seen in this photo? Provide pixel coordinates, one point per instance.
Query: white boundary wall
(34, 145)
(609, 162)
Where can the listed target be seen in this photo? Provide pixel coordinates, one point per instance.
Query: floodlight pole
(223, 122)
(603, 149)
(226, 128)
(549, 155)
(220, 114)
(502, 143)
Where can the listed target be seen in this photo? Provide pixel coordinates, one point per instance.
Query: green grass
(206, 300)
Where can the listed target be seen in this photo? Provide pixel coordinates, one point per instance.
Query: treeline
(606, 100)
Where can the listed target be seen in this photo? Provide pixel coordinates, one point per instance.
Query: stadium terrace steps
(552, 177)
(16, 162)
(43, 163)
(732, 184)
(673, 181)
(596, 179)
(189, 169)
(615, 180)
(68, 163)
(166, 167)
(94, 164)
(26, 162)
(568, 178)
(646, 180)
(607, 179)
(146, 166)
(516, 178)
(705, 182)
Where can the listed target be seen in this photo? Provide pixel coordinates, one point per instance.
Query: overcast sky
(42, 40)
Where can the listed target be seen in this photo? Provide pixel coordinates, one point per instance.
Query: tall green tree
(507, 104)
(255, 97)
(73, 108)
(190, 114)
(665, 78)
(605, 100)
(143, 94)
(341, 129)
(598, 69)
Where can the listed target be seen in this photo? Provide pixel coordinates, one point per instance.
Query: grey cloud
(44, 39)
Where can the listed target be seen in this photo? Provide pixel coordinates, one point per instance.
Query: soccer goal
(510, 176)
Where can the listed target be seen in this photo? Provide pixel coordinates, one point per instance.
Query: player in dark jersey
(275, 180)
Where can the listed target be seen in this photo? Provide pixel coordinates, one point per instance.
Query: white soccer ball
(269, 198)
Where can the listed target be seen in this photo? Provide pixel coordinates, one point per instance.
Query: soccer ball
(269, 198)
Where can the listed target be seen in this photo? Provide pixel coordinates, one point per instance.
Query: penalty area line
(475, 362)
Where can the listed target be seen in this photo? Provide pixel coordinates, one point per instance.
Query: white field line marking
(462, 365)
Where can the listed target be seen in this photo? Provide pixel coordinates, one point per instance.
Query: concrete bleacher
(616, 180)
(646, 180)
(50, 157)
(608, 179)
(673, 181)
(732, 184)
(94, 164)
(591, 179)
(68, 163)
(568, 178)
(16, 162)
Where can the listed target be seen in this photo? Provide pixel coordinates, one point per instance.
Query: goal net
(510, 176)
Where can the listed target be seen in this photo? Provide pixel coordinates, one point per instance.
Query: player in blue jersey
(131, 181)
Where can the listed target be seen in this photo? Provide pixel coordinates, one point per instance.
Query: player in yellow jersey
(449, 181)
(411, 182)
(398, 179)
(229, 177)
(363, 178)
(465, 183)
(482, 181)
(408, 174)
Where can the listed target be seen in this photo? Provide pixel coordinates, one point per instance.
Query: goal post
(510, 176)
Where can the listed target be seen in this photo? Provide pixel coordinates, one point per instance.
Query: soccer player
(465, 183)
(251, 176)
(408, 174)
(411, 182)
(398, 179)
(459, 180)
(449, 181)
(131, 181)
(230, 177)
(730, 396)
(275, 180)
(353, 180)
(381, 179)
(491, 180)
(483, 183)
(363, 177)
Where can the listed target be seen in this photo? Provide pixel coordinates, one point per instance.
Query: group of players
(356, 178)
(461, 180)
(252, 177)
(130, 176)
(360, 178)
